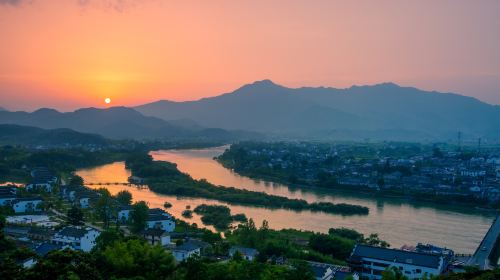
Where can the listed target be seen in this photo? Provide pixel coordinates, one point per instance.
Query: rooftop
(396, 256)
(187, 246)
(244, 251)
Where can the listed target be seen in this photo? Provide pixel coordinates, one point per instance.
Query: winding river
(396, 221)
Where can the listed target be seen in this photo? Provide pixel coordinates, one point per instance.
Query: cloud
(14, 2)
(114, 5)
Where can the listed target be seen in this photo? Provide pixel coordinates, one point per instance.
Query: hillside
(383, 111)
(26, 135)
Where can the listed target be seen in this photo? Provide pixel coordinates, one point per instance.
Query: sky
(67, 54)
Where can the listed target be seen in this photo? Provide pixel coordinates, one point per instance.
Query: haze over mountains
(117, 123)
(34, 136)
(383, 111)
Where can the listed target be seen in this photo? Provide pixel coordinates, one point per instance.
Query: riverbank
(165, 178)
(412, 195)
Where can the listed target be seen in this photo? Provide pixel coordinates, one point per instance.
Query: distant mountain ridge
(27, 135)
(382, 111)
(115, 123)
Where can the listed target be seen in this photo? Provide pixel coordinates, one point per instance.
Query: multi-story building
(370, 262)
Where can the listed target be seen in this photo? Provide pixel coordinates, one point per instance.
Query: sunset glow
(142, 51)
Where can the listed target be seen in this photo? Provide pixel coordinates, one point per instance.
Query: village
(449, 173)
(52, 213)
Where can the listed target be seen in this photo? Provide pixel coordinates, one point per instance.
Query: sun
(107, 100)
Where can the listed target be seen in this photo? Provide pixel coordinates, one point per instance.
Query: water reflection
(396, 221)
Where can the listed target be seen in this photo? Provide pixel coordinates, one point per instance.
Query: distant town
(439, 173)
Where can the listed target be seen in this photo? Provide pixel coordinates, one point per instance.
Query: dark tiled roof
(45, 248)
(73, 232)
(153, 231)
(157, 217)
(187, 246)
(399, 256)
(19, 199)
(7, 195)
(244, 251)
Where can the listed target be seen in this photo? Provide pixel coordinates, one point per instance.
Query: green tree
(374, 240)
(135, 258)
(139, 214)
(104, 206)
(66, 264)
(124, 197)
(76, 180)
(75, 216)
(393, 273)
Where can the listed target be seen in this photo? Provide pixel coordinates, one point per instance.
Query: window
(380, 264)
(377, 272)
(418, 270)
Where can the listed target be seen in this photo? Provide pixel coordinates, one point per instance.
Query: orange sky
(67, 54)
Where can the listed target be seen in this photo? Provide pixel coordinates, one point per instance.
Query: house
(27, 204)
(78, 238)
(16, 231)
(6, 198)
(124, 213)
(40, 233)
(186, 250)
(371, 261)
(43, 179)
(156, 236)
(43, 249)
(84, 197)
(161, 222)
(248, 254)
(39, 185)
(325, 271)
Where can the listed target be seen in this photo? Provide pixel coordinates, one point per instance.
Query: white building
(27, 204)
(47, 187)
(160, 222)
(370, 262)
(156, 236)
(78, 238)
(186, 250)
(124, 213)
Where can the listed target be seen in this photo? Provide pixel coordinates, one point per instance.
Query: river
(398, 222)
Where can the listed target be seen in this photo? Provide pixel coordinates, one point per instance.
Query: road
(483, 252)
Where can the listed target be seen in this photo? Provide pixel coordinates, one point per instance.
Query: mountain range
(118, 123)
(383, 111)
(27, 135)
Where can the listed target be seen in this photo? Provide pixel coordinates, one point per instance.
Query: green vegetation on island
(164, 177)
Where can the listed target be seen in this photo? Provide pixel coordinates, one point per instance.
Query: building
(326, 271)
(124, 213)
(160, 222)
(186, 250)
(43, 179)
(370, 262)
(43, 249)
(40, 233)
(27, 204)
(6, 198)
(78, 238)
(156, 236)
(248, 254)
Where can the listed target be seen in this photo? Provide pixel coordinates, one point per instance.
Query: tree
(75, 216)
(374, 240)
(139, 215)
(124, 197)
(134, 258)
(103, 206)
(76, 181)
(66, 264)
(393, 273)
